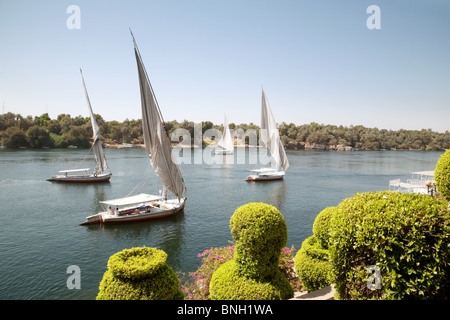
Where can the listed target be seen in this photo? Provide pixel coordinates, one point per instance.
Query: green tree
(65, 122)
(15, 138)
(207, 125)
(7, 120)
(42, 120)
(77, 137)
(38, 137)
(53, 126)
(115, 132)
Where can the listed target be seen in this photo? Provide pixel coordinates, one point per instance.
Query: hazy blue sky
(316, 59)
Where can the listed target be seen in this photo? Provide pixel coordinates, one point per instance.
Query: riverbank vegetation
(41, 131)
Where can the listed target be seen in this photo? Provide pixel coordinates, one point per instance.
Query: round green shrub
(228, 284)
(406, 236)
(136, 263)
(321, 226)
(312, 264)
(442, 175)
(260, 232)
(139, 274)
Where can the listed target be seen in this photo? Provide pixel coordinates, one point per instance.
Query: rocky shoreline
(339, 147)
(123, 146)
(306, 146)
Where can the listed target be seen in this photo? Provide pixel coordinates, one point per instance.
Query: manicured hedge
(405, 236)
(260, 232)
(228, 284)
(312, 260)
(442, 175)
(321, 226)
(312, 265)
(137, 262)
(139, 274)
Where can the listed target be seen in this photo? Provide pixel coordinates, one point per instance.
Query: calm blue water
(40, 234)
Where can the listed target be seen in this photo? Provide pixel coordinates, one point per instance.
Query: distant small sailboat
(83, 175)
(158, 147)
(270, 139)
(226, 141)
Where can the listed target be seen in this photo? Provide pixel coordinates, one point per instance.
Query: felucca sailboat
(83, 175)
(158, 147)
(270, 139)
(226, 141)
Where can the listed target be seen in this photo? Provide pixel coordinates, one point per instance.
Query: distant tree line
(41, 131)
(332, 137)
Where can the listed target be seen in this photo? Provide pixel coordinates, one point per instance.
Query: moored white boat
(265, 174)
(83, 175)
(270, 139)
(80, 175)
(135, 208)
(158, 148)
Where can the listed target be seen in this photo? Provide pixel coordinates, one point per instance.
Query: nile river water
(40, 236)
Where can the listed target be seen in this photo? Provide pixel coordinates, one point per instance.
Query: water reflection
(278, 197)
(166, 234)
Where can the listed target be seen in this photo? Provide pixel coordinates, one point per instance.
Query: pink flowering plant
(286, 265)
(197, 285)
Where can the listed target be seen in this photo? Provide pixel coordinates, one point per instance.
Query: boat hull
(81, 178)
(266, 176)
(223, 152)
(106, 217)
(263, 178)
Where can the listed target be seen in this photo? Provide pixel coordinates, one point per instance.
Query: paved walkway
(326, 293)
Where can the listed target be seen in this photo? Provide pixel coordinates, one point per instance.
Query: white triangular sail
(157, 143)
(101, 164)
(226, 142)
(270, 137)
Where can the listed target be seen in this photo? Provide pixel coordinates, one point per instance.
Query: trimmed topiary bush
(312, 260)
(321, 226)
(260, 232)
(405, 236)
(228, 284)
(312, 265)
(139, 274)
(442, 175)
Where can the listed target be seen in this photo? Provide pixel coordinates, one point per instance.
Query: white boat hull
(82, 178)
(265, 177)
(145, 211)
(223, 152)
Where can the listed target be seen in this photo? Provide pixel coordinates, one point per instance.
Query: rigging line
(137, 186)
(144, 180)
(141, 182)
(79, 163)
